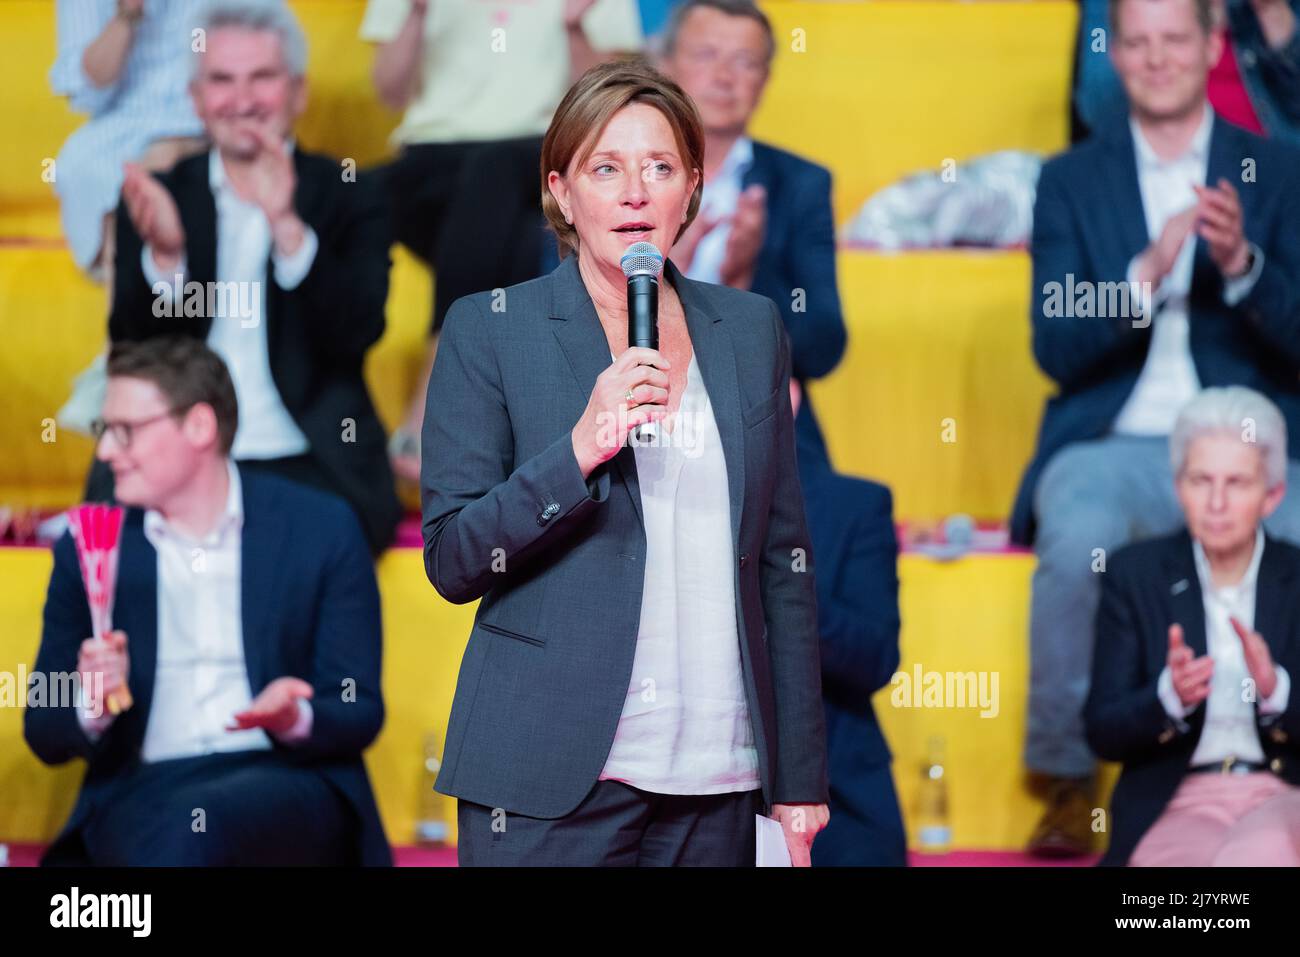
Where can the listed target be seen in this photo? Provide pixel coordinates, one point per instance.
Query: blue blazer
(852, 527)
(799, 253)
(1089, 223)
(310, 608)
(559, 561)
(1148, 587)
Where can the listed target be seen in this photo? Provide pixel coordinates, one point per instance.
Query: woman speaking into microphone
(642, 677)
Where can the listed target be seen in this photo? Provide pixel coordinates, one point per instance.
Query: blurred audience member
(247, 630)
(478, 82)
(1255, 82)
(1165, 258)
(851, 524)
(654, 15)
(1197, 634)
(274, 258)
(125, 63)
(765, 221)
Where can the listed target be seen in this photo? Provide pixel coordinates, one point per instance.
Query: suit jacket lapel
(1187, 604)
(1122, 191)
(715, 352)
(1223, 163)
(135, 610)
(760, 170)
(309, 197)
(1273, 589)
(199, 210)
(263, 541)
(583, 340)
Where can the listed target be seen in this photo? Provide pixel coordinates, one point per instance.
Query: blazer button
(547, 513)
(1278, 735)
(1275, 765)
(1166, 735)
(744, 558)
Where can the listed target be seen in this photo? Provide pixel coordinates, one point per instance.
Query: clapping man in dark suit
(247, 633)
(276, 258)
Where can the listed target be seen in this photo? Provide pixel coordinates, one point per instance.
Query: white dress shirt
(244, 244)
(201, 678)
(1168, 379)
(685, 726)
(1229, 730)
(719, 199)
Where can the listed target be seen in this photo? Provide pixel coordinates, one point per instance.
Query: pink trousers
(1225, 820)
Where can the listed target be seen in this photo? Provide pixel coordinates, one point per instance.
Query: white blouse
(685, 725)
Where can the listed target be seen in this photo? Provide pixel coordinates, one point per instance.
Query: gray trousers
(616, 825)
(1101, 494)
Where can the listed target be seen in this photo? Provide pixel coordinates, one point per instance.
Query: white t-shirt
(494, 69)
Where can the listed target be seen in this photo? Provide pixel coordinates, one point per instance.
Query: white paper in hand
(770, 847)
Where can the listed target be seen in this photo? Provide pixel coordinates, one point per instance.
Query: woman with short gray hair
(1233, 409)
(1197, 636)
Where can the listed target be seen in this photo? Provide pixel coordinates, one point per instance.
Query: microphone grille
(642, 258)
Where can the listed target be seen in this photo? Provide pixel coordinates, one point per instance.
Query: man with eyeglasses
(247, 630)
(765, 220)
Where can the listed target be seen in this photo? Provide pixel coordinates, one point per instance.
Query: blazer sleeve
(817, 334)
(341, 299)
(130, 315)
(52, 730)
(1272, 307)
(858, 606)
(790, 614)
(1123, 718)
(475, 500)
(347, 704)
(1069, 349)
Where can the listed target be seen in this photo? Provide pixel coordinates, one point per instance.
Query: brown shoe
(1065, 829)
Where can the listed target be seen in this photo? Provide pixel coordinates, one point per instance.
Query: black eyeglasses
(123, 432)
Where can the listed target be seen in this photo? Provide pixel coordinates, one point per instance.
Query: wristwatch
(404, 443)
(1250, 264)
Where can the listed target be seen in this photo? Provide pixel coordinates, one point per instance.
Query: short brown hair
(1204, 15)
(590, 104)
(186, 372)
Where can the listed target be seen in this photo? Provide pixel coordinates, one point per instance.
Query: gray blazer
(559, 562)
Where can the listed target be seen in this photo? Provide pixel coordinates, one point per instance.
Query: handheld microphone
(642, 263)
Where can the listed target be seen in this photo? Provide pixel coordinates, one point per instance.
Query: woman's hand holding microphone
(610, 414)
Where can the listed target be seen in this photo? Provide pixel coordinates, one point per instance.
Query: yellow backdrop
(964, 616)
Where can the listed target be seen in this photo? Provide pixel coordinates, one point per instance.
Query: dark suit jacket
(799, 253)
(317, 334)
(1148, 587)
(852, 527)
(310, 608)
(547, 667)
(1089, 223)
